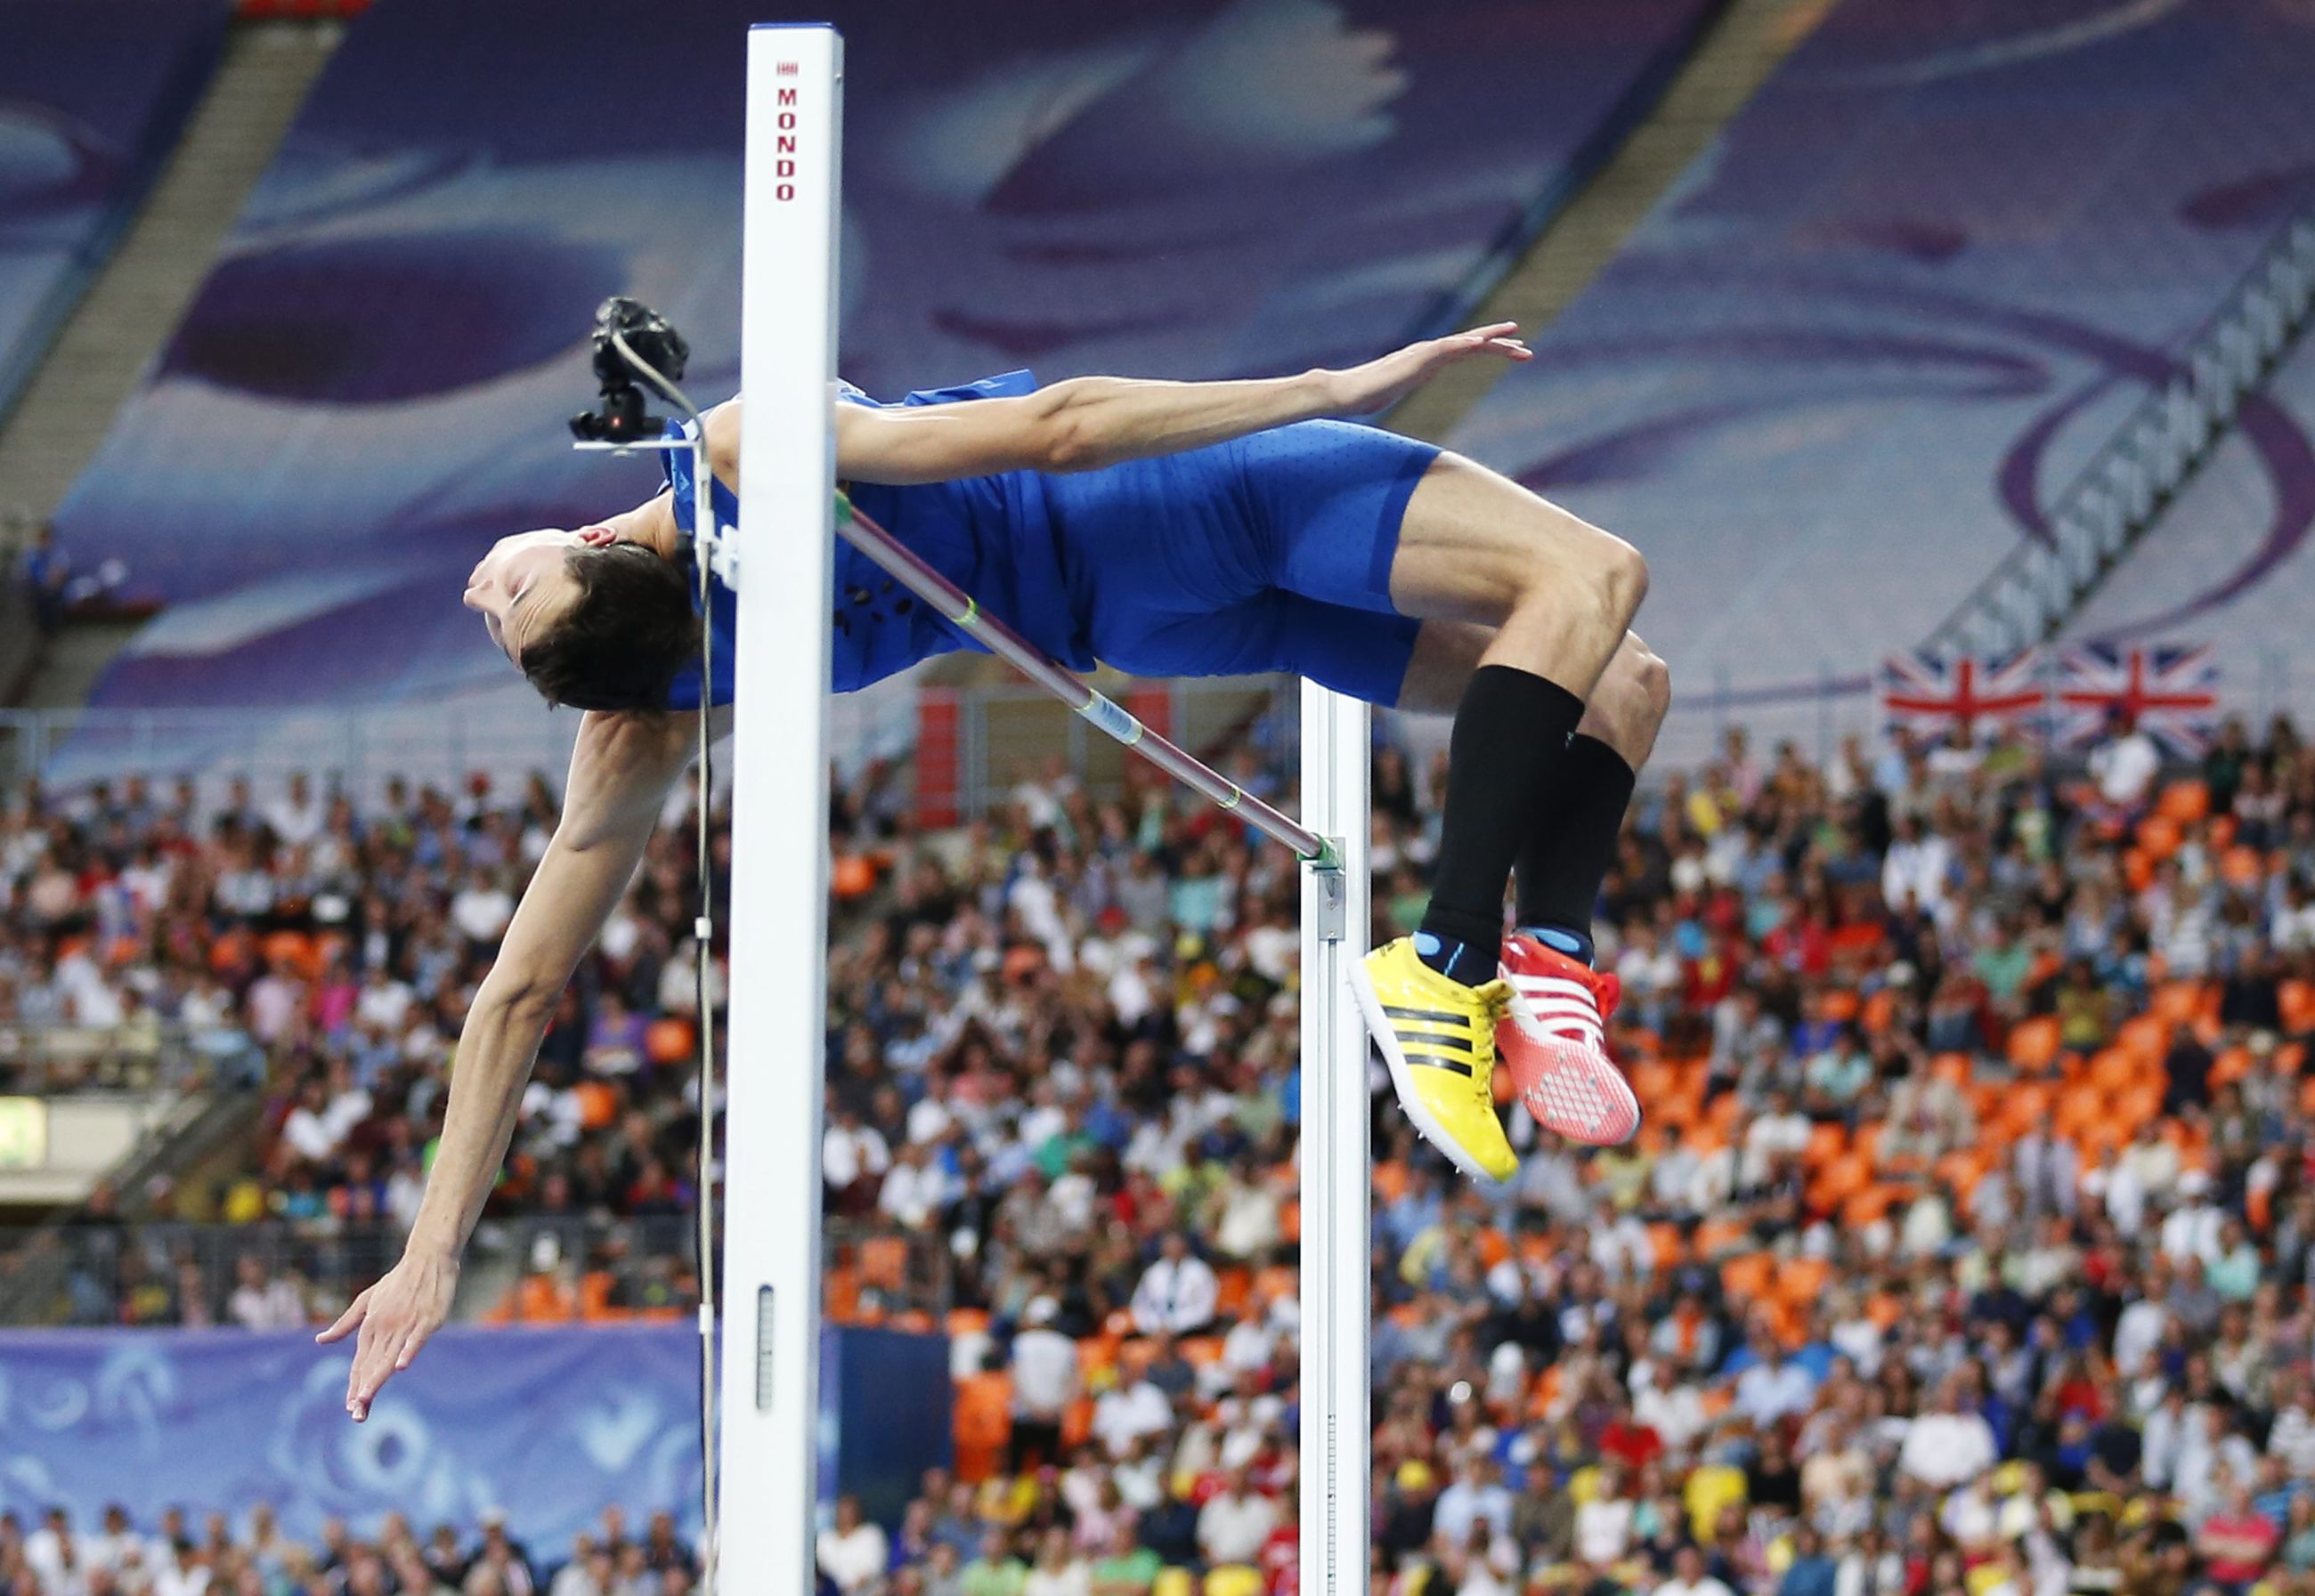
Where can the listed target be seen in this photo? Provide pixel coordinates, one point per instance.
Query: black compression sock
(1571, 846)
(1506, 758)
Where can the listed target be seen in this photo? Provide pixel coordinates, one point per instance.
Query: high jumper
(1165, 528)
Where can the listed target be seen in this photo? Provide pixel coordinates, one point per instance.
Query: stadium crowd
(167, 1556)
(1965, 1251)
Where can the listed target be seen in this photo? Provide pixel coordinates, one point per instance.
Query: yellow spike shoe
(1439, 1038)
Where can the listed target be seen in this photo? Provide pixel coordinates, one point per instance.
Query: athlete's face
(524, 583)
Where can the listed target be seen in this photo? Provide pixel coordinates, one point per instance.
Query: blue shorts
(1271, 552)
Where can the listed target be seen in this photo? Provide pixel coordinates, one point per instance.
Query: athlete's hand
(1378, 385)
(395, 1317)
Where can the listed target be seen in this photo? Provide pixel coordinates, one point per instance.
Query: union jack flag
(1930, 692)
(2170, 690)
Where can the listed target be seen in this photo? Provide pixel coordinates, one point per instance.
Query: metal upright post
(1337, 1440)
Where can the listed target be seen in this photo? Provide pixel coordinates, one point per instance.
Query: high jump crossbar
(963, 611)
(776, 1433)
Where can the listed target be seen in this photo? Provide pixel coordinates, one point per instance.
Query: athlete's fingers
(348, 1320)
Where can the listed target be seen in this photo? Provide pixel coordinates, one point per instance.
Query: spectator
(854, 1552)
(1946, 1446)
(1044, 1383)
(1059, 1570)
(1236, 1521)
(1689, 1578)
(1177, 1292)
(261, 1301)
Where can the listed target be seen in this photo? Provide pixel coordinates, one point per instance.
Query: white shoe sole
(1402, 1078)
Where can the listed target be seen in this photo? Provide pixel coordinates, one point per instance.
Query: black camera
(623, 414)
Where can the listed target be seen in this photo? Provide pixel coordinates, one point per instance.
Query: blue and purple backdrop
(548, 1424)
(91, 95)
(1847, 362)
(372, 384)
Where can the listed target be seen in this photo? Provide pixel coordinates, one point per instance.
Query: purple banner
(91, 95)
(371, 385)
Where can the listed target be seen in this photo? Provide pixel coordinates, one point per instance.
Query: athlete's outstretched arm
(1088, 422)
(620, 773)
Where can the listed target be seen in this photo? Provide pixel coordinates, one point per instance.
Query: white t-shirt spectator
(2193, 1232)
(1072, 1578)
(1945, 1449)
(273, 1306)
(1770, 1137)
(2125, 768)
(1466, 1503)
(1125, 1414)
(1175, 1296)
(1621, 1248)
(180, 1578)
(915, 1191)
(295, 820)
(1603, 1530)
(45, 1551)
(1232, 1526)
(1707, 1586)
(854, 1561)
(480, 911)
(384, 1002)
(849, 1152)
(1766, 1393)
(1045, 1373)
(2293, 1439)
(1915, 872)
(1676, 1415)
(310, 1134)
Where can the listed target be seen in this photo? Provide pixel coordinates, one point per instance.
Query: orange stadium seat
(982, 1424)
(1389, 1180)
(2033, 1043)
(2296, 1000)
(1863, 1208)
(1800, 1280)
(2178, 1002)
(1747, 1275)
(2159, 836)
(2145, 1037)
(883, 1262)
(1233, 1290)
(2184, 802)
(670, 1040)
(2137, 869)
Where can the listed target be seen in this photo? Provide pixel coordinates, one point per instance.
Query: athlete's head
(593, 621)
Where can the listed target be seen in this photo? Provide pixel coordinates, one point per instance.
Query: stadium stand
(425, 308)
(90, 97)
(1966, 1248)
(1859, 374)
(2228, 563)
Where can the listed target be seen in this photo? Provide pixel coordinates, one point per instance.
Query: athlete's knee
(1622, 576)
(1600, 585)
(1635, 692)
(1651, 684)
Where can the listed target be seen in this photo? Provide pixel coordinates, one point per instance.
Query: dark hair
(625, 637)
